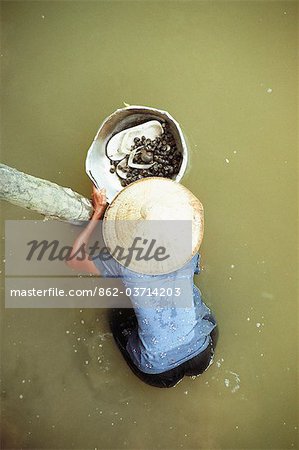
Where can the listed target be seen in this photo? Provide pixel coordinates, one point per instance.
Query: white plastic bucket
(98, 165)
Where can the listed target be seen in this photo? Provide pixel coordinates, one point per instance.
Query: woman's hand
(99, 199)
(86, 265)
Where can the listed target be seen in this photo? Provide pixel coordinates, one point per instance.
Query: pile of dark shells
(156, 158)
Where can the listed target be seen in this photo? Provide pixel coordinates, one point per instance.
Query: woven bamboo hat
(154, 213)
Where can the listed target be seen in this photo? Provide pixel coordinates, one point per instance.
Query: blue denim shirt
(171, 328)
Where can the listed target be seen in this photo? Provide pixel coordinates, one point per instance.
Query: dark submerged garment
(167, 331)
(122, 321)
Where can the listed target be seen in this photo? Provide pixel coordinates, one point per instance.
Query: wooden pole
(42, 196)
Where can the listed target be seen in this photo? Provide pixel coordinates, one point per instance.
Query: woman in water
(161, 340)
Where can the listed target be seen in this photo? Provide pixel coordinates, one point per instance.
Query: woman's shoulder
(114, 268)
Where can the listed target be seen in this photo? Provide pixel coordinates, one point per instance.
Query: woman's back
(173, 322)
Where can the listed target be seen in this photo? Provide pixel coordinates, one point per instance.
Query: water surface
(227, 71)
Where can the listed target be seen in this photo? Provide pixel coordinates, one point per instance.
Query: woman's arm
(86, 265)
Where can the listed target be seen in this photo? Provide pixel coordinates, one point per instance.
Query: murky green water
(227, 73)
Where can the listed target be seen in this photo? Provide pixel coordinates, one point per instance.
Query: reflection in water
(227, 72)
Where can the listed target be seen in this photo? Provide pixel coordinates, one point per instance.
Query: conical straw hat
(163, 212)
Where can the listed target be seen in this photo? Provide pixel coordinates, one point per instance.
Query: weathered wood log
(42, 196)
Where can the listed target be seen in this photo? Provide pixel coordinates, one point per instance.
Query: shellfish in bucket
(118, 145)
